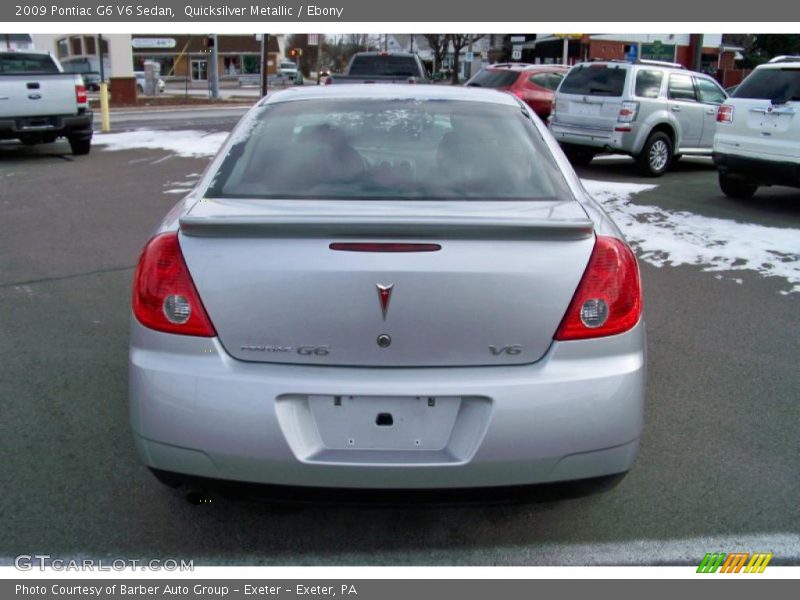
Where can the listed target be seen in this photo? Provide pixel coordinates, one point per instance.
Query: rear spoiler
(450, 227)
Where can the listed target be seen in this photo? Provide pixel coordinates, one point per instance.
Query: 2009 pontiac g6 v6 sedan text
(388, 287)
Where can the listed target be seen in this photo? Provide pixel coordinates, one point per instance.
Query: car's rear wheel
(80, 146)
(579, 157)
(736, 188)
(656, 156)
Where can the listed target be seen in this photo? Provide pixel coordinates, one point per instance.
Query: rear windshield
(390, 66)
(348, 149)
(594, 80)
(494, 78)
(78, 66)
(22, 63)
(778, 85)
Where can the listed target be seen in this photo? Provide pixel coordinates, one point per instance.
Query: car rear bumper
(79, 125)
(602, 139)
(575, 414)
(757, 170)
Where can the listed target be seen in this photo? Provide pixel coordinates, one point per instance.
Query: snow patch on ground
(187, 142)
(663, 237)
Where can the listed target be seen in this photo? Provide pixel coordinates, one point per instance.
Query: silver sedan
(388, 287)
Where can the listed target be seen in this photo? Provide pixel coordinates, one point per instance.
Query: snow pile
(663, 237)
(185, 142)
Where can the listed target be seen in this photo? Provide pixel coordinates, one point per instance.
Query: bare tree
(459, 41)
(438, 43)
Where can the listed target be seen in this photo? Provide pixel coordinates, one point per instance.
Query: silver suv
(652, 110)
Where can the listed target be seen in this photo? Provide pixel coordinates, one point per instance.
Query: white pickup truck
(39, 102)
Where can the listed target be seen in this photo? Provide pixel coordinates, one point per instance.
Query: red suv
(533, 84)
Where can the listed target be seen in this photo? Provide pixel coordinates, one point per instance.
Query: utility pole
(696, 41)
(264, 62)
(213, 71)
(105, 115)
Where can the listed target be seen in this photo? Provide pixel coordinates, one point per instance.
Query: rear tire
(80, 146)
(736, 188)
(578, 157)
(656, 156)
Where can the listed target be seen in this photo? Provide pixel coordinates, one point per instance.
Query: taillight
(628, 112)
(608, 300)
(164, 296)
(725, 114)
(80, 93)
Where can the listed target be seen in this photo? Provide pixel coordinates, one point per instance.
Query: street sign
(153, 42)
(658, 51)
(313, 39)
(517, 38)
(516, 55)
(568, 36)
(469, 56)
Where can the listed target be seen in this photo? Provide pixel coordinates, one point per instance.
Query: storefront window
(232, 65)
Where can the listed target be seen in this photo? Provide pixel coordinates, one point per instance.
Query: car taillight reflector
(80, 93)
(164, 296)
(628, 112)
(725, 114)
(608, 300)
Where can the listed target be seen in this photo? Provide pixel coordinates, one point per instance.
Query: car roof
(781, 62)
(384, 53)
(387, 91)
(520, 67)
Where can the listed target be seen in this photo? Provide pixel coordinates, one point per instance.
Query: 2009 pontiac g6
(388, 287)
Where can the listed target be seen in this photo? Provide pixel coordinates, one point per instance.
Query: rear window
(22, 63)
(78, 66)
(388, 66)
(494, 78)
(548, 81)
(595, 80)
(778, 85)
(402, 149)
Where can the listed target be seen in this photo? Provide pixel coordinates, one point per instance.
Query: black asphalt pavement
(719, 468)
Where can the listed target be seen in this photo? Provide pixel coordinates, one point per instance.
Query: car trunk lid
(492, 293)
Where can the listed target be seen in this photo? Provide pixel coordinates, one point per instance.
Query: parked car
(533, 84)
(141, 83)
(287, 69)
(387, 286)
(758, 130)
(88, 67)
(40, 103)
(651, 110)
(382, 67)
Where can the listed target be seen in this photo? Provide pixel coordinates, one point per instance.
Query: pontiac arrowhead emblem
(384, 295)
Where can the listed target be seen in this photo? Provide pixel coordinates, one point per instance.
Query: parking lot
(720, 457)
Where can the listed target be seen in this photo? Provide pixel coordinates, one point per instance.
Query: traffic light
(295, 52)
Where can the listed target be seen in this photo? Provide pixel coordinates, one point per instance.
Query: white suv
(757, 141)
